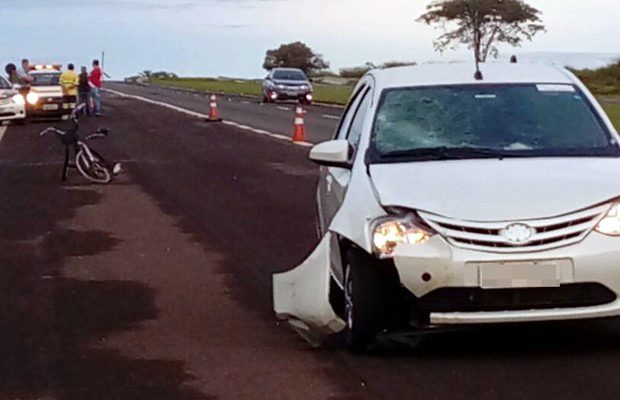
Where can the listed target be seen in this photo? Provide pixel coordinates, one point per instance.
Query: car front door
(333, 181)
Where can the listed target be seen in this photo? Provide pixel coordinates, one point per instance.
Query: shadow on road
(52, 327)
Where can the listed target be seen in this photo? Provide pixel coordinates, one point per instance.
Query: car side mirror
(334, 153)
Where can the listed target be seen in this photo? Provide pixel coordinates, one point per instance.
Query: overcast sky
(229, 37)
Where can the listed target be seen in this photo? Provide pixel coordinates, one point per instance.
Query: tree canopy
(295, 55)
(481, 24)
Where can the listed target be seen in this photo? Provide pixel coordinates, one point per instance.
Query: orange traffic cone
(213, 113)
(299, 134)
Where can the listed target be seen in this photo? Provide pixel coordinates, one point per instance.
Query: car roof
(463, 74)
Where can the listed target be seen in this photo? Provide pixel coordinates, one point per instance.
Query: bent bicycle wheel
(94, 171)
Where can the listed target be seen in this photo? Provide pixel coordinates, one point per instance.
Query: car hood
(6, 93)
(498, 190)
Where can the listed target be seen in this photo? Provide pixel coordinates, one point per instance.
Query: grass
(602, 81)
(613, 110)
(333, 94)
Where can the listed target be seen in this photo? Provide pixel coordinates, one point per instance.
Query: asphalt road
(158, 286)
(321, 122)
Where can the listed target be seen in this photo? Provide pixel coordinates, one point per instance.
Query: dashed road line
(204, 116)
(327, 116)
(283, 108)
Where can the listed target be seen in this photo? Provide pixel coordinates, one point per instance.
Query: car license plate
(519, 275)
(50, 107)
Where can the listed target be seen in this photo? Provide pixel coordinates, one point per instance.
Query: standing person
(24, 73)
(69, 82)
(11, 72)
(95, 87)
(84, 90)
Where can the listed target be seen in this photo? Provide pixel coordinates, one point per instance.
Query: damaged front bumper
(301, 296)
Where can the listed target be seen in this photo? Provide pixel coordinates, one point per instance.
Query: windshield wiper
(448, 153)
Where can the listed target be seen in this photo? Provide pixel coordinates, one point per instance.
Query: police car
(46, 99)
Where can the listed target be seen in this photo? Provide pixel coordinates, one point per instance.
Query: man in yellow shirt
(69, 81)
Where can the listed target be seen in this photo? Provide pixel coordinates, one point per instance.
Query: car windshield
(4, 84)
(289, 75)
(46, 79)
(474, 121)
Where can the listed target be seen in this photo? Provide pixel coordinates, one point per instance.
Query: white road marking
(54, 163)
(327, 116)
(203, 116)
(245, 102)
(283, 108)
(2, 131)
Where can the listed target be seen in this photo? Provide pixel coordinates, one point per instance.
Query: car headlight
(610, 224)
(19, 100)
(388, 232)
(32, 98)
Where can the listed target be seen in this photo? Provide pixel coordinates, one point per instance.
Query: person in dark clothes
(84, 90)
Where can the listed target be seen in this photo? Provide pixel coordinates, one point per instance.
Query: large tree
(295, 55)
(481, 24)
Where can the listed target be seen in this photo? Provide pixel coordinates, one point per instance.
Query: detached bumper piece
(301, 296)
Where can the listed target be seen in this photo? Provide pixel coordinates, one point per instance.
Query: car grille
(546, 233)
(478, 299)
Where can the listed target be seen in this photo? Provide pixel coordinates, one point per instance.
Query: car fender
(359, 208)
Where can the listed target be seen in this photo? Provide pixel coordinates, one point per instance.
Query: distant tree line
(299, 55)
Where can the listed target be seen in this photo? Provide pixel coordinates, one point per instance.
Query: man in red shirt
(95, 84)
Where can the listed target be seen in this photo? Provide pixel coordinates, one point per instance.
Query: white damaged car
(449, 198)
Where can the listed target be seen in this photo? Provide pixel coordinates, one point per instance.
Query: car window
(289, 75)
(523, 120)
(345, 121)
(355, 130)
(46, 79)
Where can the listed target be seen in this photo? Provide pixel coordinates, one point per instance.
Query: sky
(230, 37)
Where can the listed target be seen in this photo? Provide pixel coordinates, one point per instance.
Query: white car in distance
(448, 198)
(12, 104)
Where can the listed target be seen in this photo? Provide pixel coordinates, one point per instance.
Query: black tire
(366, 300)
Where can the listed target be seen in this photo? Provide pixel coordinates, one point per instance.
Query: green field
(334, 94)
(613, 110)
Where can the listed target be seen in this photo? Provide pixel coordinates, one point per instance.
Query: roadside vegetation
(323, 93)
(603, 81)
(613, 110)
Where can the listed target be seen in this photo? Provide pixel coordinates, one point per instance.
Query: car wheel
(364, 299)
